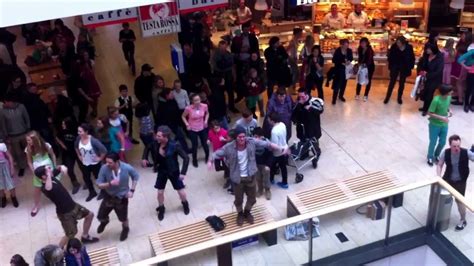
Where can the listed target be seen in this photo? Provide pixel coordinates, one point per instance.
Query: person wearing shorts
(68, 211)
(166, 152)
(114, 180)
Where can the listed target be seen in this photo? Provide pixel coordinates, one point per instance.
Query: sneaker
(161, 212)
(386, 101)
(134, 141)
(248, 217)
(240, 219)
(91, 196)
(4, 202)
(124, 233)
(472, 108)
(282, 185)
(400, 101)
(424, 113)
(75, 188)
(21, 172)
(101, 227)
(89, 240)
(15, 202)
(366, 98)
(195, 163)
(226, 184)
(460, 226)
(342, 99)
(466, 108)
(430, 162)
(268, 194)
(357, 97)
(185, 207)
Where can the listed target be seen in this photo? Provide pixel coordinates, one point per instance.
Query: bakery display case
(419, 39)
(329, 40)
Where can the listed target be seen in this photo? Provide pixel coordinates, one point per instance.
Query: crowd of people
(35, 136)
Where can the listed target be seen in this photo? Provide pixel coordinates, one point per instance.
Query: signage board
(159, 19)
(187, 6)
(110, 17)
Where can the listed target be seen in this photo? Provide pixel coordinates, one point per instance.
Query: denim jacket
(229, 153)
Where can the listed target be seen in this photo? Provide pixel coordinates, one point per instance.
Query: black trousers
(280, 162)
(469, 95)
(129, 54)
(311, 82)
(428, 95)
(202, 135)
(87, 171)
(371, 70)
(229, 83)
(394, 74)
(69, 160)
(339, 87)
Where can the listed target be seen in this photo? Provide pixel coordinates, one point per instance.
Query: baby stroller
(301, 152)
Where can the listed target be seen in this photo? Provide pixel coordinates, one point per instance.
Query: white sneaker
(357, 97)
(365, 98)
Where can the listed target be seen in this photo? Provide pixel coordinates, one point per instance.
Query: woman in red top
(195, 117)
(366, 59)
(90, 85)
(218, 138)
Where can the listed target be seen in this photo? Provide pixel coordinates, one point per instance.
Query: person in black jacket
(457, 178)
(366, 59)
(401, 61)
(127, 38)
(431, 67)
(170, 115)
(314, 71)
(217, 104)
(341, 58)
(278, 72)
(165, 153)
(144, 85)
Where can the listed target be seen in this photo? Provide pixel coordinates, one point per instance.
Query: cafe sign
(110, 17)
(187, 6)
(159, 19)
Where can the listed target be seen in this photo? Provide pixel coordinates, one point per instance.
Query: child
(125, 104)
(180, 96)
(66, 138)
(6, 176)
(264, 162)
(143, 113)
(254, 88)
(218, 138)
(117, 137)
(38, 153)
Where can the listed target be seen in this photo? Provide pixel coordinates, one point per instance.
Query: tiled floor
(358, 137)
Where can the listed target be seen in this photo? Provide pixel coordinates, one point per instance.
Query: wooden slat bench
(200, 232)
(340, 192)
(104, 256)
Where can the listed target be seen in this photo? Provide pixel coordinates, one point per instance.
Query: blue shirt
(125, 171)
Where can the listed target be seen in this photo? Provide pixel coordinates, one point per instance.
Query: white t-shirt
(358, 22)
(279, 138)
(244, 15)
(337, 22)
(470, 47)
(243, 162)
(41, 160)
(3, 147)
(87, 152)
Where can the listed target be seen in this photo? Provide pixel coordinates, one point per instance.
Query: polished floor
(358, 137)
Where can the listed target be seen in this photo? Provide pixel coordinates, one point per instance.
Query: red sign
(159, 19)
(188, 6)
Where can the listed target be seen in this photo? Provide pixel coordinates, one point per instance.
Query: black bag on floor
(216, 223)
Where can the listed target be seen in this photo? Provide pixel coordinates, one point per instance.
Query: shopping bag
(349, 71)
(415, 87)
(300, 230)
(363, 76)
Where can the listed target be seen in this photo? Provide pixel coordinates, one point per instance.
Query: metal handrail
(299, 218)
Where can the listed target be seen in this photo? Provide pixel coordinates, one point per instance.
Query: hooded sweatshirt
(17, 121)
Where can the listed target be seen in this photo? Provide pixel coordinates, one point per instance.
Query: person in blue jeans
(438, 126)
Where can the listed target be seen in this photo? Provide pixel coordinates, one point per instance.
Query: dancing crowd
(47, 141)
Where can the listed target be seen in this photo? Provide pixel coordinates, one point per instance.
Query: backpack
(216, 223)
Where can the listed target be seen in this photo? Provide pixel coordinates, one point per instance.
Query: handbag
(216, 223)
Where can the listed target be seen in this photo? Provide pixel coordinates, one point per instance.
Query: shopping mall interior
(385, 144)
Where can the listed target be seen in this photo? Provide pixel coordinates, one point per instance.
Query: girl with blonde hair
(449, 55)
(38, 153)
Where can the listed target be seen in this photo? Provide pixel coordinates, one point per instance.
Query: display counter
(269, 26)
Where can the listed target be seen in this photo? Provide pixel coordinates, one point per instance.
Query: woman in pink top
(449, 54)
(218, 138)
(195, 117)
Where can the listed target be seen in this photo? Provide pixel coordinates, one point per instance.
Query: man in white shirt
(279, 157)
(358, 19)
(334, 19)
(180, 96)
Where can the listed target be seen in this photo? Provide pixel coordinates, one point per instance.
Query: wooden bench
(104, 256)
(340, 192)
(201, 232)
